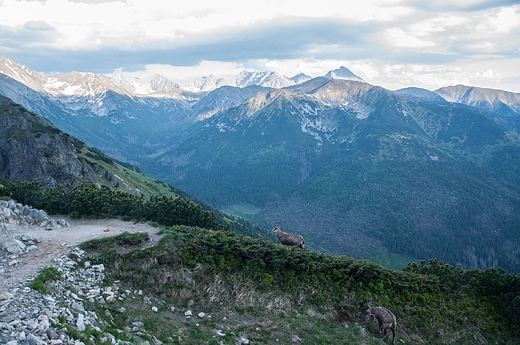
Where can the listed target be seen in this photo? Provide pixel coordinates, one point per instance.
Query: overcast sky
(391, 43)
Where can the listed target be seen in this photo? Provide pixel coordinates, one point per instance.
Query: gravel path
(16, 269)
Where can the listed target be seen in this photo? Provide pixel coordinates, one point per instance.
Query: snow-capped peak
(21, 73)
(300, 78)
(245, 78)
(155, 84)
(79, 84)
(342, 73)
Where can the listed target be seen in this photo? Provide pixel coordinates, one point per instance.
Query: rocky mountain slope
(385, 173)
(32, 149)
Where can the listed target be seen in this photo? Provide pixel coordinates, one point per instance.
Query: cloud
(37, 25)
(400, 38)
(460, 5)
(145, 35)
(505, 20)
(97, 2)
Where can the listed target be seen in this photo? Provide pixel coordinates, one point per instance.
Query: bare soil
(56, 242)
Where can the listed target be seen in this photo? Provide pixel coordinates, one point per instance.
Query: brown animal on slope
(289, 239)
(385, 319)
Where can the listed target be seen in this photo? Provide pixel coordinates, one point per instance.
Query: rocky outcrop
(16, 213)
(32, 149)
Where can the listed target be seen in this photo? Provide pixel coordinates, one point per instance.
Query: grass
(226, 327)
(242, 210)
(132, 181)
(124, 239)
(233, 318)
(45, 275)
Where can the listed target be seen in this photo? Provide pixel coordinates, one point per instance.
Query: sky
(389, 43)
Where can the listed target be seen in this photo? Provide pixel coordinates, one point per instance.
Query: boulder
(14, 246)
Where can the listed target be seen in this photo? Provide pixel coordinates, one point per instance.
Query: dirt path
(54, 243)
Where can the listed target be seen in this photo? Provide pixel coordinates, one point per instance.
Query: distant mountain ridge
(90, 84)
(76, 83)
(342, 73)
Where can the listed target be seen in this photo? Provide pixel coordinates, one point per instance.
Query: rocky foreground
(29, 317)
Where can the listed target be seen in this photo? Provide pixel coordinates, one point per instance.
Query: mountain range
(355, 168)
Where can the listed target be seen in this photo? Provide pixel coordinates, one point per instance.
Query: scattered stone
(15, 213)
(242, 341)
(295, 339)
(81, 322)
(31, 248)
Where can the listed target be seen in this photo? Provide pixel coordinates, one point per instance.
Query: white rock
(81, 322)
(14, 246)
(32, 248)
(6, 295)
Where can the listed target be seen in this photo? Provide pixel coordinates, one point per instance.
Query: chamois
(289, 239)
(385, 319)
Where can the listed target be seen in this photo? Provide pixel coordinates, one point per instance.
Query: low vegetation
(267, 291)
(273, 294)
(46, 274)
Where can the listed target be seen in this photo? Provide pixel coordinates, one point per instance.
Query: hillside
(32, 149)
(208, 285)
(269, 294)
(36, 158)
(381, 175)
(357, 169)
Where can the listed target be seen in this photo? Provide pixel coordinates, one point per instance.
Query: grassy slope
(269, 293)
